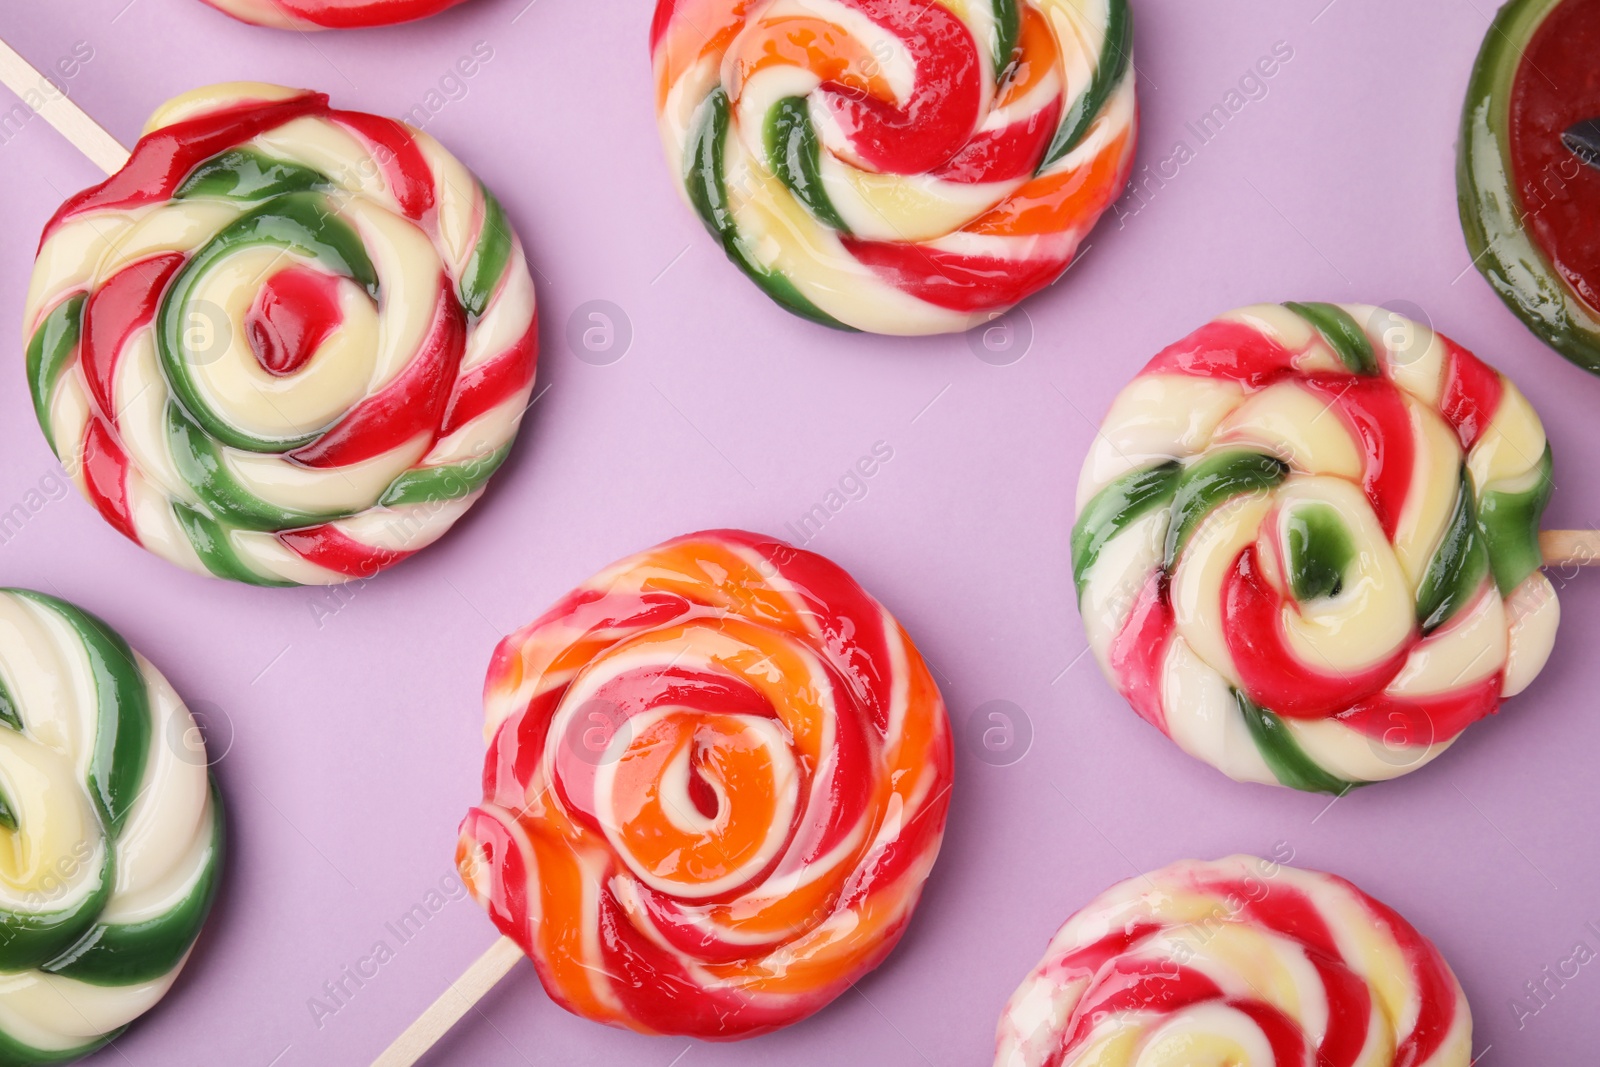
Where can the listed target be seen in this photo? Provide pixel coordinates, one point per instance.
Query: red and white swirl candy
(897, 166)
(717, 778)
(285, 344)
(1242, 962)
(329, 14)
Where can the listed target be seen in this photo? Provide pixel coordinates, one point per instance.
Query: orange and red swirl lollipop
(717, 779)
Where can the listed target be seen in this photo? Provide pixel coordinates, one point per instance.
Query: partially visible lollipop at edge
(1528, 170)
(1241, 961)
(897, 167)
(329, 14)
(111, 832)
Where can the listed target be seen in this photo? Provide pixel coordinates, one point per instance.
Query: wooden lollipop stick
(1570, 548)
(41, 94)
(452, 1004)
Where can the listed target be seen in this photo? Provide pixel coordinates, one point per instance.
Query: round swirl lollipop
(329, 14)
(1528, 175)
(1243, 962)
(110, 832)
(1307, 545)
(284, 344)
(892, 165)
(717, 778)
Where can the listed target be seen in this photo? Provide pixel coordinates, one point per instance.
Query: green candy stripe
(210, 542)
(9, 715)
(434, 484)
(199, 460)
(32, 939)
(1007, 31)
(10, 718)
(1320, 552)
(1459, 565)
(1209, 483)
(1116, 54)
(302, 223)
(1115, 508)
(487, 264)
(1282, 753)
(49, 351)
(125, 953)
(1509, 521)
(795, 156)
(704, 183)
(123, 717)
(1343, 334)
(14, 1053)
(246, 174)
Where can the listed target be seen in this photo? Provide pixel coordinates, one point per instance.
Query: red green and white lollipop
(1241, 961)
(1308, 548)
(284, 344)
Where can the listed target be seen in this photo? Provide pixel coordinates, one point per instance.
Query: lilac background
(355, 721)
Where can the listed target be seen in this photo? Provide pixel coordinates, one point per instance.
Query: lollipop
(717, 778)
(1241, 961)
(111, 832)
(892, 165)
(284, 344)
(1526, 179)
(329, 14)
(1307, 545)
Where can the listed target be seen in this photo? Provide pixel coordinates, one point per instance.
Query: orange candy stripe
(1039, 57)
(709, 28)
(1053, 203)
(723, 752)
(812, 44)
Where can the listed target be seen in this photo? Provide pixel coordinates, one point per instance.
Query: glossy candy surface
(1307, 544)
(1527, 176)
(717, 778)
(329, 14)
(897, 166)
(110, 832)
(285, 344)
(1244, 962)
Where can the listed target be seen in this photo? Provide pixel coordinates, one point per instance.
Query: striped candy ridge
(285, 344)
(897, 166)
(329, 14)
(1307, 544)
(1240, 961)
(717, 778)
(111, 826)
